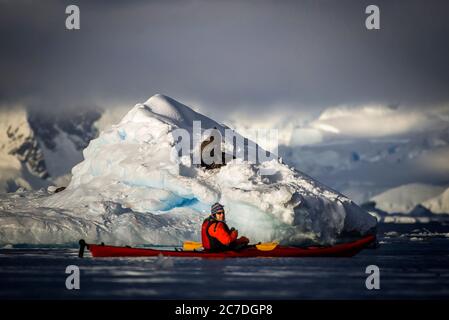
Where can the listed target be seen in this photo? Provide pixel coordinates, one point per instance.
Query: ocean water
(413, 260)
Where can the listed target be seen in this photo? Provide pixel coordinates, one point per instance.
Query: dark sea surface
(413, 260)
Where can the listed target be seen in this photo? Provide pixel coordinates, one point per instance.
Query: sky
(240, 58)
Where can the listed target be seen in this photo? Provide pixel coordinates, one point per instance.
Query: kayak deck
(339, 250)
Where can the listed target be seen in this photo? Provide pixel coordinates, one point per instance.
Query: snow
(10, 174)
(438, 204)
(405, 219)
(10, 166)
(404, 198)
(25, 161)
(399, 219)
(131, 188)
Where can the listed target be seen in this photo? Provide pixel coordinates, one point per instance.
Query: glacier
(131, 188)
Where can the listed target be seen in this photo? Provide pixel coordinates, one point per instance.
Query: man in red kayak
(216, 235)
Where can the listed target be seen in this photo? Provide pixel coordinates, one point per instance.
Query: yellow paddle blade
(267, 246)
(191, 245)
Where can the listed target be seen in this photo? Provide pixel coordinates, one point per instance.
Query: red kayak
(339, 250)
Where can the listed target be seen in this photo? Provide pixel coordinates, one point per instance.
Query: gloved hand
(244, 239)
(235, 231)
(232, 229)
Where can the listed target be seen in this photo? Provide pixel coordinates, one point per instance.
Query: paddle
(267, 246)
(192, 246)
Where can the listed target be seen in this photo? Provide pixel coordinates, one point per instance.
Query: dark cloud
(226, 55)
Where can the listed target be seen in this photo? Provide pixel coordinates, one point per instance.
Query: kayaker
(216, 235)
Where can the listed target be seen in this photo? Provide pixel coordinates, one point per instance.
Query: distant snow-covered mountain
(364, 168)
(405, 198)
(21, 158)
(414, 199)
(362, 150)
(38, 149)
(438, 204)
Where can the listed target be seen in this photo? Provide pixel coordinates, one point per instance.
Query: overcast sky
(224, 56)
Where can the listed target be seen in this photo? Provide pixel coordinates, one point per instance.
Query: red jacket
(216, 235)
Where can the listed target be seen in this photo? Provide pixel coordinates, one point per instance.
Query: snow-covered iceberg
(132, 188)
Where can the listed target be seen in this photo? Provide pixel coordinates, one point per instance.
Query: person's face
(220, 216)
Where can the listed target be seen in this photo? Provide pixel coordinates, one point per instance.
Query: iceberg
(133, 188)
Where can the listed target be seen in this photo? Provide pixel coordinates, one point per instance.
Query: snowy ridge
(438, 204)
(131, 189)
(21, 159)
(405, 198)
(38, 149)
(414, 199)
